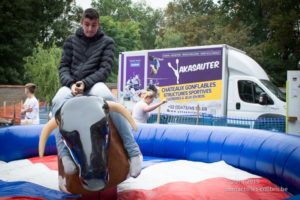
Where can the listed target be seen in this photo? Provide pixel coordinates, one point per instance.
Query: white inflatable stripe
(13, 164)
(182, 170)
(150, 178)
(24, 170)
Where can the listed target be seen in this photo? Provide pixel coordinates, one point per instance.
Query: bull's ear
(105, 107)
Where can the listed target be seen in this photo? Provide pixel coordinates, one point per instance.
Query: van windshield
(275, 90)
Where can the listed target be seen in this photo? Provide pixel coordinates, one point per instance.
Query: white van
(250, 92)
(218, 79)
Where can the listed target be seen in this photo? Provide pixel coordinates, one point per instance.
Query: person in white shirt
(30, 107)
(140, 112)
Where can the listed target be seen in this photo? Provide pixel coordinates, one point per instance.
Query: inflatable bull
(93, 143)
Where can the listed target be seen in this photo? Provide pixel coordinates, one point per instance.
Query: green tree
(124, 11)
(169, 38)
(193, 18)
(126, 35)
(41, 68)
(63, 26)
(149, 20)
(275, 30)
(119, 10)
(23, 24)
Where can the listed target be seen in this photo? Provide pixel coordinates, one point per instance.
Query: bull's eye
(100, 131)
(99, 135)
(71, 138)
(73, 142)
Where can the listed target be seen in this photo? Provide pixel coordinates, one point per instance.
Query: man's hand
(73, 89)
(79, 87)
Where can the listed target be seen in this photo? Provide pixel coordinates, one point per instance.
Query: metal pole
(198, 114)
(158, 115)
(4, 108)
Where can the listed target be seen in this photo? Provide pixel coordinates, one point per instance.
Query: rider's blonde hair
(149, 94)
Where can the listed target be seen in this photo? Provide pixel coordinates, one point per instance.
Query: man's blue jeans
(122, 125)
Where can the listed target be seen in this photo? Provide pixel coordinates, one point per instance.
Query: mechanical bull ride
(93, 142)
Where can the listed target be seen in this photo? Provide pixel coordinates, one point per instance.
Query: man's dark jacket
(86, 59)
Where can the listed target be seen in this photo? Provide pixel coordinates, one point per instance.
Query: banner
(198, 91)
(192, 78)
(134, 79)
(135, 71)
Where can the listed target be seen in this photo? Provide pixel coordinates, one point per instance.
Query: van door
(245, 101)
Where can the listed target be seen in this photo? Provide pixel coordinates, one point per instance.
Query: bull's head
(83, 124)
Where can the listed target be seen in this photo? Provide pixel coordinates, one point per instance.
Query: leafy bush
(41, 68)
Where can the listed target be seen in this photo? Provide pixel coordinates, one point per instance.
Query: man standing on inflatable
(86, 62)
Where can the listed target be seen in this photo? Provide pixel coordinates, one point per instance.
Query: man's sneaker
(135, 165)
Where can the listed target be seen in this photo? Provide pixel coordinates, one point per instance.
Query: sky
(153, 3)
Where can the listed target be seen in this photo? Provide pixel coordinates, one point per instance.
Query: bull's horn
(48, 128)
(115, 107)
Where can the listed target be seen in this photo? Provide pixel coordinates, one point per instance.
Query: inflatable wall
(272, 155)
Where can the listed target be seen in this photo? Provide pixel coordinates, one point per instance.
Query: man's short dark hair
(90, 13)
(30, 87)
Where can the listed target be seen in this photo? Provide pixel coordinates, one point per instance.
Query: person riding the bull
(86, 63)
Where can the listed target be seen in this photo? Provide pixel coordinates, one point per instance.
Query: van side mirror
(263, 99)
